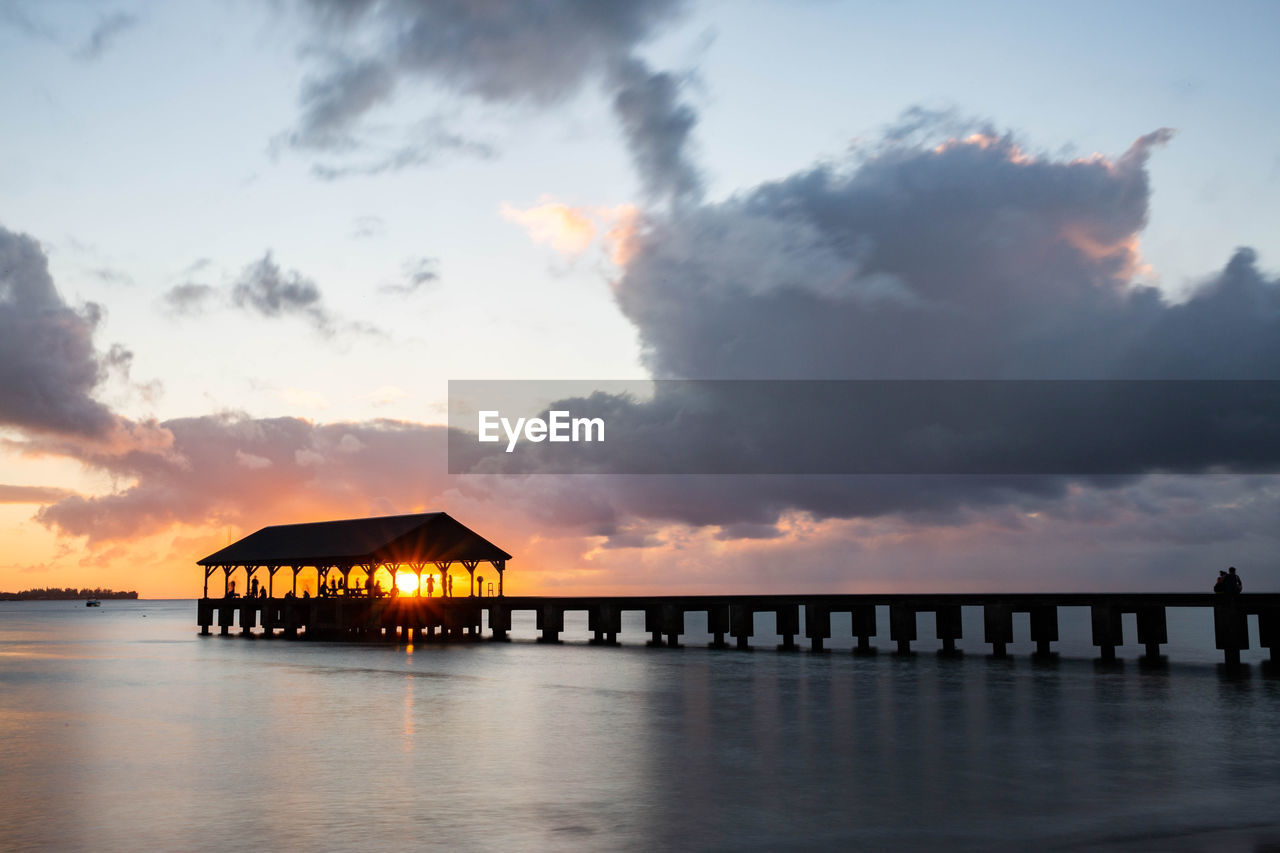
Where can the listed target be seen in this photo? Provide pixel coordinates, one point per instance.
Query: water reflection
(138, 734)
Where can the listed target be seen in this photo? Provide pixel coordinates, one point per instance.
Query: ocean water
(121, 729)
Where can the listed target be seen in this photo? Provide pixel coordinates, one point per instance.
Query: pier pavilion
(417, 543)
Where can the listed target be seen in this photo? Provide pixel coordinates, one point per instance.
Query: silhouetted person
(1237, 585)
(368, 585)
(1223, 582)
(431, 585)
(253, 588)
(306, 593)
(450, 583)
(231, 590)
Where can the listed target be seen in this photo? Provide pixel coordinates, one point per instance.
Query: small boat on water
(93, 602)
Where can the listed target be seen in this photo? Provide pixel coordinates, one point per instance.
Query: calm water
(120, 729)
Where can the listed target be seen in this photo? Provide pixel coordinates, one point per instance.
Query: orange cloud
(573, 230)
(568, 230)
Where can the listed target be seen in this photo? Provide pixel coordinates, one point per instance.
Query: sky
(244, 246)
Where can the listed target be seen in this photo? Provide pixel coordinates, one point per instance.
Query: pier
(347, 560)
(802, 621)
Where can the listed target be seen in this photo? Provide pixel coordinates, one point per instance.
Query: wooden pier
(346, 559)
(731, 618)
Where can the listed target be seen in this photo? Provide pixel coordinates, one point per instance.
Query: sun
(407, 583)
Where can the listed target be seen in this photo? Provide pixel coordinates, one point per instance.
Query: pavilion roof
(426, 537)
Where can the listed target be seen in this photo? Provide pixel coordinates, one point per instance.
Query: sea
(122, 729)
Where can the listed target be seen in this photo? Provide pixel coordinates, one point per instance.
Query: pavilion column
(296, 569)
(443, 567)
(501, 566)
(470, 566)
(417, 570)
(226, 580)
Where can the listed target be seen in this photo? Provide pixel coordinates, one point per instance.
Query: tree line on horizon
(70, 593)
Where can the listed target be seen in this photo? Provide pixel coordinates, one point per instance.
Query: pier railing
(732, 618)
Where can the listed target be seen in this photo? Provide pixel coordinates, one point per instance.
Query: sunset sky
(244, 246)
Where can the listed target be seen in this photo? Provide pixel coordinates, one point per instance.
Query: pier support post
(997, 622)
(787, 618)
(653, 626)
(499, 621)
(817, 625)
(1230, 630)
(863, 619)
(741, 624)
(204, 615)
(718, 625)
(550, 623)
(1152, 629)
(1108, 630)
(673, 624)
(248, 617)
(605, 621)
(949, 628)
(1044, 628)
(902, 626)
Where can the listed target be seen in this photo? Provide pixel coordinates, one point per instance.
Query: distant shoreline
(66, 595)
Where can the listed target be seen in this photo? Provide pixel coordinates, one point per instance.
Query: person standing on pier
(431, 585)
(1234, 582)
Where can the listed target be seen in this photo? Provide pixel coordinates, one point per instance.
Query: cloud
(566, 229)
(571, 230)
(422, 146)
(657, 127)
(189, 298)
(510, 53)
(105, 34)
(931, 258)
(232, 469)
(265, 289)
(32, 494)
(418, 274)
(49, 366)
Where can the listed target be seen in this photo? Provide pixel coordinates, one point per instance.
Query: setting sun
(407, 583)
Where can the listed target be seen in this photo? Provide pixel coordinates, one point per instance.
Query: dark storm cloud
(932, 258)
(105, 34)
(513, 52)
(49, 367)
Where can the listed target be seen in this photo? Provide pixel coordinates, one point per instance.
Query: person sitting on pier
(1222, 584)
(1236, 585)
